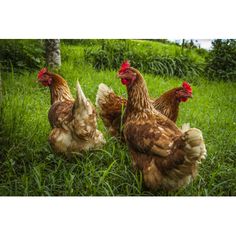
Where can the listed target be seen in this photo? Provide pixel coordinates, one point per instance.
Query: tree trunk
(53, 53)
(1, 96)
(183, 44)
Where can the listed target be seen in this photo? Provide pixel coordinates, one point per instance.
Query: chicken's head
(44, 77)
(184, 92)
(127, 74)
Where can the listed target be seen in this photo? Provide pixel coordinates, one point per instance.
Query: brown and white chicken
(112, 106)
(167, 156)
(73, 121)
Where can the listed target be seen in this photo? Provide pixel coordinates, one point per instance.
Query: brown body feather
(167, 157)
(73, 121)
(111, 107)
(168, 105)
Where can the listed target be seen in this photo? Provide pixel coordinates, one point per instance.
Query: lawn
(28, 166)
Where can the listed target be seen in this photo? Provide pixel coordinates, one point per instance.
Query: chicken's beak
(119, 75)
(188, 95)
(185, 94)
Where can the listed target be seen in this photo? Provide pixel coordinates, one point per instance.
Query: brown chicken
(167, 157)
(73, 122)
(111, 106)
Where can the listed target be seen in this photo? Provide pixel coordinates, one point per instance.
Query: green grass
(28, 166)
(166, 49)
(159, 48)
(150, 57)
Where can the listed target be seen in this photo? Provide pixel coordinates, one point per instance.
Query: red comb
(187, 86)
(42, 71)
(125, 65)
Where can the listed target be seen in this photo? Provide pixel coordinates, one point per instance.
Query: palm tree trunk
(53, 53)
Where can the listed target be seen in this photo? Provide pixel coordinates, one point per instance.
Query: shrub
(111, 53)
(221, 61)
(108, 55)
(21, 54)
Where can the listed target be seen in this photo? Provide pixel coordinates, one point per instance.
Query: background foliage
(22, 54)
(221, 61)
(111, 53)
(159, 57)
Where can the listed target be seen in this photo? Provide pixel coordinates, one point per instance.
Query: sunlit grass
(28, 166)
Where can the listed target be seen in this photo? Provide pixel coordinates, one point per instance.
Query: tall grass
(175, 62)
(28, 166)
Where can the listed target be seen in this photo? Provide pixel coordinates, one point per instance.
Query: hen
(73, 122)
(111, 106)
(167, 156)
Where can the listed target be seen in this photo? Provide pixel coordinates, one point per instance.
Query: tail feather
(195, 151)
(81, 99)
(102, 93)
(185, 127)
(195, 146)
(82, 106)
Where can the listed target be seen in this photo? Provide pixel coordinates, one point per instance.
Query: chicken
(73, 122)
(167, 156)
(111, 106)
(168, 103)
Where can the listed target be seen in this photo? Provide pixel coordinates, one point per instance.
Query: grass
(28, 166)
(158, 48)
(150, 57)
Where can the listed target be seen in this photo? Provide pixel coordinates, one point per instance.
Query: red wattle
(124, 81)
(45, 83)
(184, 99)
